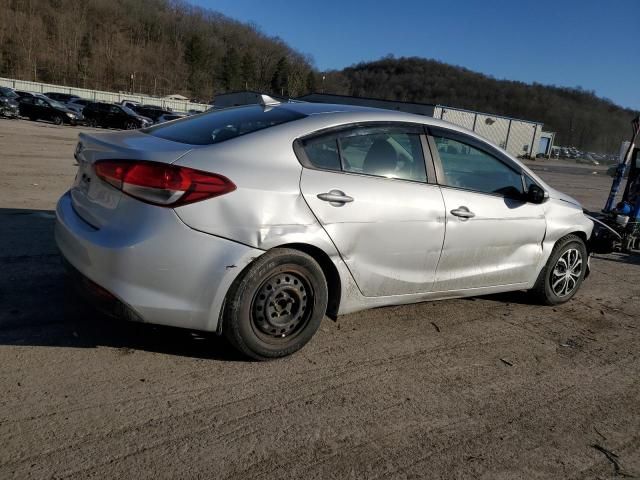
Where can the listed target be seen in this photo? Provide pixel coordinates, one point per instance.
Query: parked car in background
(61, 97)
(255, 222)
(167, 117)
(25, 94)
(110, 115)
(130, 104)
(152, 111)
(9, 106)
(78, 104)
(43, 108)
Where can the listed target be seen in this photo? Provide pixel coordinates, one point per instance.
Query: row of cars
(64, 108)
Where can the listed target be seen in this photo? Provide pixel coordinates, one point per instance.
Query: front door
(494, 236)
(368, 188)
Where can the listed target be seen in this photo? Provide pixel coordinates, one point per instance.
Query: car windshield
(128, 110)
(56, 104)
(7, 92)
(220, 125)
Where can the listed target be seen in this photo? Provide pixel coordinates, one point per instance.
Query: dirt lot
(490, 388)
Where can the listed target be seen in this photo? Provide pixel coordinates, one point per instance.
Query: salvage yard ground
(491, 387)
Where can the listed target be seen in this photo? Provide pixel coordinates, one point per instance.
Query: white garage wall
(518, 137)
(101, 96)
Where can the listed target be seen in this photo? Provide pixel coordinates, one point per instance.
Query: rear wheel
(564, 272)
(276, 305)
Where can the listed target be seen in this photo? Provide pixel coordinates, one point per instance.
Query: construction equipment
(618, 226)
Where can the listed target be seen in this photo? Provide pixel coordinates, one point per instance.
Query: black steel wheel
(281, 306)
(275, 305)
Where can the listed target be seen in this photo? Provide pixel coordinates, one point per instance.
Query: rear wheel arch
(330, 271)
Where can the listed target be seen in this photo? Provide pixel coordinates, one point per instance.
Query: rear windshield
(218, 126)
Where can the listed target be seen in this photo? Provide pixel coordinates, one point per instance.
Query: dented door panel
(390, 235)
(501, 244)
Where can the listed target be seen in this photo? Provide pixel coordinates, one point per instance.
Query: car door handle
(335, 197)
(463, 212)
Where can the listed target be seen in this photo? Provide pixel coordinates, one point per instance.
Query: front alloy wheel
(567, 272)
(562, 276)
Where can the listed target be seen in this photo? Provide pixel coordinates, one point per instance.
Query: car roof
(356, 114)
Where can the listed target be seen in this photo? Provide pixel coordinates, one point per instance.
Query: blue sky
(588, 43)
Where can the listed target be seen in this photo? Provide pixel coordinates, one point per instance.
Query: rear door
(369, 188)
(114, 114)
(494, 236)
(43, 109)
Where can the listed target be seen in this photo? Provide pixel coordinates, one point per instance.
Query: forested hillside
(167, 45)
(579, 117)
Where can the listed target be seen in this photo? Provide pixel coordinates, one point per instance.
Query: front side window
(469, 168)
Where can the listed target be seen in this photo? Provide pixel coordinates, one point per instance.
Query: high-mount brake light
(162, 184)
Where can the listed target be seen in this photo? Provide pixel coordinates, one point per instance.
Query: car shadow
(628, 258)
(39, 307)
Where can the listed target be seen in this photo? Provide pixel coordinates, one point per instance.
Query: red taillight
(162, 184)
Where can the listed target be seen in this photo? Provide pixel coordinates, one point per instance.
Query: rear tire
(564, 272)
(276, 304)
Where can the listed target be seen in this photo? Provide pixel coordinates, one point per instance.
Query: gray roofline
(367, 98)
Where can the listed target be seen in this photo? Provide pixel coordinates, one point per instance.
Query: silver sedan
(256, 222)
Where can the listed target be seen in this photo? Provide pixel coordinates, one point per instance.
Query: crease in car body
(335, 247)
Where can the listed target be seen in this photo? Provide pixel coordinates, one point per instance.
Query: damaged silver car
(255, 222)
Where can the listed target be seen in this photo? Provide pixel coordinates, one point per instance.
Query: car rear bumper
(159, 269)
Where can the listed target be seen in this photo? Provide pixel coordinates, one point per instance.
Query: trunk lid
(94, 200)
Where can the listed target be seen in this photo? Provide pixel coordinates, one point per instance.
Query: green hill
(579, 117)
(168, 46)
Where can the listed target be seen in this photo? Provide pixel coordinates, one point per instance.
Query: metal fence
(518, 137)
(102, 96)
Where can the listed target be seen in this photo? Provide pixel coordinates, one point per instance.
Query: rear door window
(218, 126)
(381, 151)
(384, 152)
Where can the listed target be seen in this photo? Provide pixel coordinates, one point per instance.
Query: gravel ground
(490, 387)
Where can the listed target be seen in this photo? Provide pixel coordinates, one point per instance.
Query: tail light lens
(162, 184)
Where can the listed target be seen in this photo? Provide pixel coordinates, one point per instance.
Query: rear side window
(323, 152)
(221, 125)
(391, 152)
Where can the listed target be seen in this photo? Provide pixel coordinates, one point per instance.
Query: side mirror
(535, 194)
